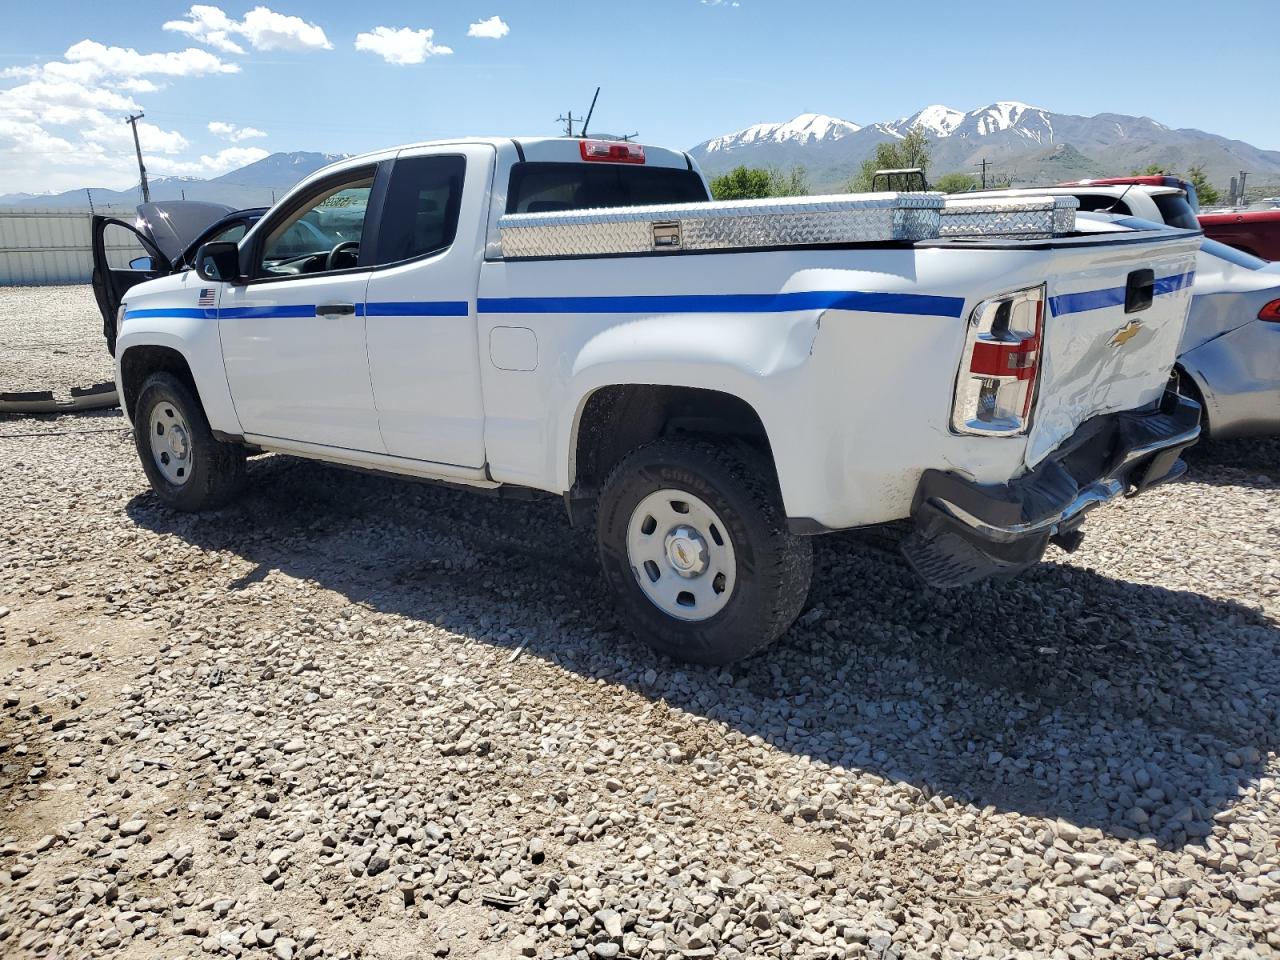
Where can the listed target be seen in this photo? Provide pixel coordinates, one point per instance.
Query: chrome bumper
(966, 531)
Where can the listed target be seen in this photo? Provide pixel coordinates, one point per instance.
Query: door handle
(336, 310)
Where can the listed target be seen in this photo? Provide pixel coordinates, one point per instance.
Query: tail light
(996, 387)
(1271, 312)
(611, 151)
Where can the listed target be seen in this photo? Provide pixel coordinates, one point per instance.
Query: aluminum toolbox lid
(1029, 218)
(723, 225)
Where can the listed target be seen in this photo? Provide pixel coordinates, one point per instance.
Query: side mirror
(141, 263)
(218, 260)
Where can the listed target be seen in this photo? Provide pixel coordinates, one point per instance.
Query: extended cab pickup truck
(712, 383)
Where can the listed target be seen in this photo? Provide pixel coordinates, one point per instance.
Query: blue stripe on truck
(910, 303)
(917, 304)
(1113, 296)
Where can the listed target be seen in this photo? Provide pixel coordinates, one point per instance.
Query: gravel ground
(356, 717)
(51, 339)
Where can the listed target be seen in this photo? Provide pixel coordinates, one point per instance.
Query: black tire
(217, 468)
(773, 566)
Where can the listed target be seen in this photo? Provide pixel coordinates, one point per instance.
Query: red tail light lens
(996, 387)
(1271, 312)
(611, 151)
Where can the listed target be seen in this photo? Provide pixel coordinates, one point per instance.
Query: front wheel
(189, 468)
(693, 542)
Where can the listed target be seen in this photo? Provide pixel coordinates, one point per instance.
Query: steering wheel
(331, 260)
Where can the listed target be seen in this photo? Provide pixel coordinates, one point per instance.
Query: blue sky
(346, 77)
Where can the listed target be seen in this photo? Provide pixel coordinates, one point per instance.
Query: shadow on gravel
(1243, 462)
(1134, 709)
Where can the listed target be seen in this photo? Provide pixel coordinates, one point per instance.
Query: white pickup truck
(719, 381)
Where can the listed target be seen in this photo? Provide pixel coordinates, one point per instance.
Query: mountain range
(1027, 144)
(254, 185)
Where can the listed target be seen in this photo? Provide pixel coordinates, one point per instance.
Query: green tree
(753, 183)
(955, 183)
(741, 183)
(1150, 170)
(911, 151)
(1206, 191)
(793, 184)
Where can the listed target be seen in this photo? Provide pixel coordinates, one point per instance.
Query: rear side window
(1232, 255)
(420, 213)
(1104, 204)
(1176, 211)
(544, 187)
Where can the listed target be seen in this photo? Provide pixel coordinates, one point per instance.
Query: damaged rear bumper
(966, 531)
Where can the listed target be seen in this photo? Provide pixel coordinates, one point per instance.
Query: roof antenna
(1119, 198)
(590, 110)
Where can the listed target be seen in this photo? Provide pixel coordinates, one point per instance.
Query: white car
(712, 382)
(1158, 204)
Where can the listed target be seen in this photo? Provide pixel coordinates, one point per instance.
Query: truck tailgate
(1096, 357)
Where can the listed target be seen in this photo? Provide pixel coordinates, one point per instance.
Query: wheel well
(140, 362)
(617, 419)
(1188, 387)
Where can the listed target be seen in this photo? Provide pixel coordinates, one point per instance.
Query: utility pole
(568, 123)
(1244, 174)
(132, 121)
(984, 164)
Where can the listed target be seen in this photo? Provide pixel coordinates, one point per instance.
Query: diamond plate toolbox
(1024, 218)
(723, 225)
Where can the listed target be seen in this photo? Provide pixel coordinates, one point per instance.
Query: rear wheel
(693, 541)
(188, 467)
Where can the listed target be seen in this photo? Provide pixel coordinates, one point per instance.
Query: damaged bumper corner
(966, 531)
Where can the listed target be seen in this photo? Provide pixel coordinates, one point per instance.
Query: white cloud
(62, 124)
(229, 131)
(492, 29)
(262, 27)
(230, 158)
(720, 3)
(402, 46)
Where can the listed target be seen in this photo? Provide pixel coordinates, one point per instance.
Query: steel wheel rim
(681, 555)
(170, 439)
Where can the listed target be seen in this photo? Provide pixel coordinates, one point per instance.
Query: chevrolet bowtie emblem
(1125, 333)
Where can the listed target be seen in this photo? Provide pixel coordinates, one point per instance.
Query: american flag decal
(208, 295)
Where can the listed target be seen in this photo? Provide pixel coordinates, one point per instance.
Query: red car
(1253, 231)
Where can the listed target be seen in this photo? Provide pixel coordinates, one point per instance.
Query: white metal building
(48, 245)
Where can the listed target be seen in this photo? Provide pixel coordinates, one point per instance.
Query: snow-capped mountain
(1031, 144)
(806, 128)
(935, 119)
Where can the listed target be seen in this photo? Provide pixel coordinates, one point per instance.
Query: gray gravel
(51, 339)
(356, 717)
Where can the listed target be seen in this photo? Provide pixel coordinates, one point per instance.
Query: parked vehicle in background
(1256, 232)
(1161, 204)
(1146, 180)
(712, 382)
(168, 233)
(1229, 357)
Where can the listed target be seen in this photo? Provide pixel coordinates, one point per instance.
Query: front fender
(165, 319)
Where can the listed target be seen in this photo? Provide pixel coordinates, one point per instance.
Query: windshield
(543, 187)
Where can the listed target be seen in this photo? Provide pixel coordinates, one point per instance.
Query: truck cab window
(320, 235)
(547, 187)
(420, 213)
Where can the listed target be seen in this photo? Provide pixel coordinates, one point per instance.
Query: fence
(51, 245)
